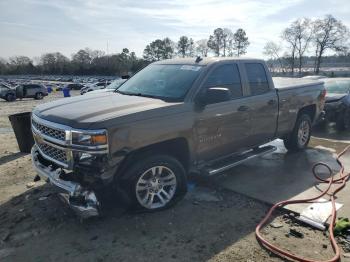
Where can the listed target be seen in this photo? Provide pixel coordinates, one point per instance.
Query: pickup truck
(173, 118)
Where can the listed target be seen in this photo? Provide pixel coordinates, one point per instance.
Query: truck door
(263, 104)
(221, 127)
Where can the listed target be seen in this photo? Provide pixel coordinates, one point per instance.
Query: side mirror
(214, 95)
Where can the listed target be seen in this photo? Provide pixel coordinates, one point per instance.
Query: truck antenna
(198, 59)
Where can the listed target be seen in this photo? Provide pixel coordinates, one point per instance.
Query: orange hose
(341, 181)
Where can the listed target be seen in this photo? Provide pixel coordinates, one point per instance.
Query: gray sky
(33, 27)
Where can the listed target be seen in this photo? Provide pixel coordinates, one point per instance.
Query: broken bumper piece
(83, 201)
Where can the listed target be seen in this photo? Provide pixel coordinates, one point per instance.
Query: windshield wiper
(137, 94)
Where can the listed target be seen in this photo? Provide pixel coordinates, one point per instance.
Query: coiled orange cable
(341, 182)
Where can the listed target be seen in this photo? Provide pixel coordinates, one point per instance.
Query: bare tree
(273, 50)
(303, 33)
(329, 34)
(240, 42)
(202, 48)
(290, 37)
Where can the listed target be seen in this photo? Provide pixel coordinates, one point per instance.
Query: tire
(38, 96)
(10, 97)
(155, 183)
(301, 134)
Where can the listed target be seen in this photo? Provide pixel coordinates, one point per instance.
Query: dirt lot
(211, 224)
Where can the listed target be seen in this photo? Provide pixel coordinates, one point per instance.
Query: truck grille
(49, 131)
(53, 152)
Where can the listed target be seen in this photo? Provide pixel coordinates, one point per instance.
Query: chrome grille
(53, 152)
(49, 131)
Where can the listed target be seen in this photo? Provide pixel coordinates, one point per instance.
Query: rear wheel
(10, 97)
(38, 96)
(300, 136)
(156, 183)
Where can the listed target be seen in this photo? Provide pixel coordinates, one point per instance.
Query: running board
(230, 162)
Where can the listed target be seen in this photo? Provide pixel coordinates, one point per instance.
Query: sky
(34, 27)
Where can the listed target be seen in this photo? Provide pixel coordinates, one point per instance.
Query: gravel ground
(210, 224)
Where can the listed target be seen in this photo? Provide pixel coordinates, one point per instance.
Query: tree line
(299, 38)
(305, 35)
(223, 42)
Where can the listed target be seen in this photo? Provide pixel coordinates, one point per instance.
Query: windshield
(338, 86)
(169, 82)
(116, 83)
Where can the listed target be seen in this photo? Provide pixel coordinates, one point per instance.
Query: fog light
(84, 156)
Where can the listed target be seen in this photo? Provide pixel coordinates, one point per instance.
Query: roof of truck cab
(204, 61)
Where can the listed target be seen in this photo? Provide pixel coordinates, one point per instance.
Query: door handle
(243, 108)
(271, 102)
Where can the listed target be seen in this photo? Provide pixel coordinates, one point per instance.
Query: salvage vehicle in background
(337, 107)
(172, 118)
(7, 93)
(110, 88)
(36, 91)
(75, 86)
(96, 86)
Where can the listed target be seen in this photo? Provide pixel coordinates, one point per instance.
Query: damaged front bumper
(82, 200)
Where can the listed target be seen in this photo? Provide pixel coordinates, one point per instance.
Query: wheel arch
(177, 148)
(309, 110)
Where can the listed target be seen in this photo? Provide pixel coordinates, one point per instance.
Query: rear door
(263, 103)
(30, 90)
(222, 128)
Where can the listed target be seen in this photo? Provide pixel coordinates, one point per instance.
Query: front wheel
(156, 182)
(301, 134)
(38, 96)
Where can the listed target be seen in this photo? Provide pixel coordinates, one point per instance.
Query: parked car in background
(35, 91)
(110, 88)
(96, 86)
(75, 86)
(337, 107)
(7, 93)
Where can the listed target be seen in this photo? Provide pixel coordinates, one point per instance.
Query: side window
(226, 76)
(257, 78)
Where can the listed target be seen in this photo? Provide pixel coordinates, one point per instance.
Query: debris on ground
(295, 233)
(276, 225)
(30, 184)
(341, 226)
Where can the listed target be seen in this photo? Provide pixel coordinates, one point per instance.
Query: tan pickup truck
(173, 118)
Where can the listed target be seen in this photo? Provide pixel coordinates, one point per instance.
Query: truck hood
(85, 111)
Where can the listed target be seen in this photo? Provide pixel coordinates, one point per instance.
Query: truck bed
(284, 83)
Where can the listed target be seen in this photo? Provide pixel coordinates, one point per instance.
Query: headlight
(89, 138)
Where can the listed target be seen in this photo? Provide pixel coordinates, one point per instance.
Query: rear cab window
(257, 79)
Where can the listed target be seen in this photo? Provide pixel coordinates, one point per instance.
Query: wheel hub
(303, 133)
(156, 187)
